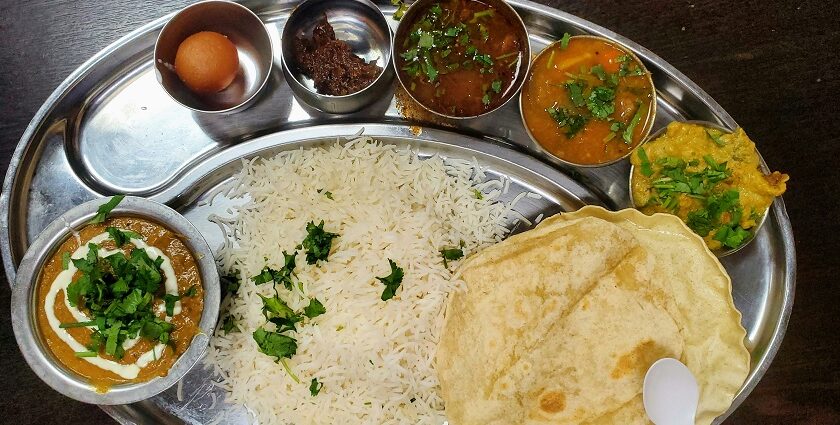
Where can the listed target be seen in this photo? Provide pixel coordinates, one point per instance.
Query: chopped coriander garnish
(230, 282)
(628, 132)
(564, 42)
(715, 136)
(65, 260)
(275, 344)
(106, 208)
(601, 102)
(477, 193)
(496, 86)
(572, 122)
(86, 354)
(645, 162)
(191, 291)
(317, 242)
(314, 309)
(121, 237)
(67, 325)
(392, 281)
(575, 89)
(451, 254)
(229, 325)
(118, 291)
(315, 387)
(169, 301)
(401, 9)
(599, 72)
(485, 99)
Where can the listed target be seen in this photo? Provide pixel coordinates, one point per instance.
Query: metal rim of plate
(125, 60)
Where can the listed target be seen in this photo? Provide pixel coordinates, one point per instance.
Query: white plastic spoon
(670, 393)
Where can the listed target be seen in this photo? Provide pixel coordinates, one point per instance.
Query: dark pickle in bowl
(461, 57)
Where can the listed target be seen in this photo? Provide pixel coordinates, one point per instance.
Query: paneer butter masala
(120, 302)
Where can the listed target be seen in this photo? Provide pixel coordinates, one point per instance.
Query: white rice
(374, 358)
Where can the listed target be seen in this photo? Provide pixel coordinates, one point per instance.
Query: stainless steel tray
(109, 128)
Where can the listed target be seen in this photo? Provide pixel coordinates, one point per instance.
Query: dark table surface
(773, 65)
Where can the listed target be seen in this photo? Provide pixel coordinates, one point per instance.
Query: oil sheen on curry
(120, 302)
(461, 58)
(588, 101)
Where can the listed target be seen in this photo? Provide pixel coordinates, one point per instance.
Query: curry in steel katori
(710, 179)
(121, 301)
(560, 324)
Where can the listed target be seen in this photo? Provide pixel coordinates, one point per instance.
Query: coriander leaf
(715, 137)
(106, 208)
(275, 307)
(576, 92)
(409, 55)
(392, 281)
(645, 168)
(169, 301)
(601, 102)
(564, 42)
(314, 309)
(486, 99)
(426, 40)
(121, 237)
(400, 12)
(599, 72)
(628, 132)
(451, 254)
(430, 69)
(572, 122)
(496, 86)
(230, 282)
(274, 344)
(229, 325)
(317, 242)
(191, 291)
(315, 387)
(477, 193)
(700, 222)
(65, 260)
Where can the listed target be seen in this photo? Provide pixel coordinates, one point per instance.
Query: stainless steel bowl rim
(632, 54)
(244, 102)
(525, 68)
(720, 253)
(382, 73)
(24, 312)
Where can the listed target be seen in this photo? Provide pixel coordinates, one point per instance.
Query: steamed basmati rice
(374, 358)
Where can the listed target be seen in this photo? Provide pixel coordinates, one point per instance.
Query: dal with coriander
(587, 100)
(710, 179)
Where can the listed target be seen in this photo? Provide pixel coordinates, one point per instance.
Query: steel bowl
(629, 52)
(24, 312)
(361, 25)
(237, 23)
(720, 253)
(501, 7)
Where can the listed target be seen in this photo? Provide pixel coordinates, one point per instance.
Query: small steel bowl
(720, 253)
(644, 135)
(503, 8)
(361, 25)
(237, 23)
(24, 310)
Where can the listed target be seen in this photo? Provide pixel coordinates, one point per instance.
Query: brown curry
(184, 323)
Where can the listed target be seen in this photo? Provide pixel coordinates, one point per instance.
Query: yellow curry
(710, 179)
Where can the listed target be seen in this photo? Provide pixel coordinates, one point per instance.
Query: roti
(559, 325)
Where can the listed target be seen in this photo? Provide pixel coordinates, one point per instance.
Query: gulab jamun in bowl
(213, 56)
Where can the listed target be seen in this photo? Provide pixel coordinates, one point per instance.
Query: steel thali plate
(110, 128)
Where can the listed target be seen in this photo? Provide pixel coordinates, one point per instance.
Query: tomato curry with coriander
(587, 101)
(461, 57)
(121, 301)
